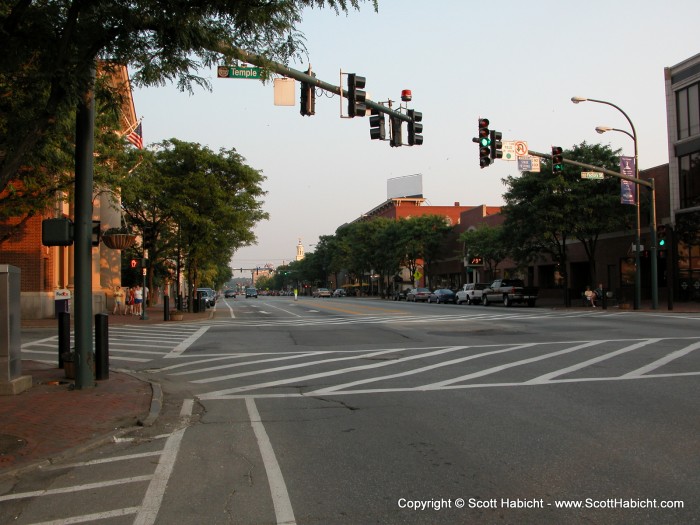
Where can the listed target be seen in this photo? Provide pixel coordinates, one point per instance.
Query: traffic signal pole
(652, 216)
(259, 61)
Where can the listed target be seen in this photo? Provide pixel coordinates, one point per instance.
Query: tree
(544, 210)
(55, 44)
(488, 243)
(195, 205)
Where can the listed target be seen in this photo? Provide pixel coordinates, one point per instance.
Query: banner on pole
(628, 189)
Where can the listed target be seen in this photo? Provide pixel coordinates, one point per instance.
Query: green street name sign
(239, 72)
(592, 175)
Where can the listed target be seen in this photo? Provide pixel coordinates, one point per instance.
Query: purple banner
(628, 189)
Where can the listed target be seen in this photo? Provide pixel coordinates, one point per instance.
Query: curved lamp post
(633, 135)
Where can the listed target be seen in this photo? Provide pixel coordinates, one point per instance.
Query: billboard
(406, 186)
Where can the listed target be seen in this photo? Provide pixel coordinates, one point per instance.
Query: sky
(516, 63)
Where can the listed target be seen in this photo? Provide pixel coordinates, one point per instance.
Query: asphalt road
(325, 411)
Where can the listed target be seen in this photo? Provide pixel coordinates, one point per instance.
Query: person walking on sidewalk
(138, 299)
(119, 300)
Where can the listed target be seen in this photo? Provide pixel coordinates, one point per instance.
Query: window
(688, 109)
(689, 179)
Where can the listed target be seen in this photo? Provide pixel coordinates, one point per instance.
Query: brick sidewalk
(52, 419)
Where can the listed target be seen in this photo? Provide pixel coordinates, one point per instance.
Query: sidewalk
(53, 420)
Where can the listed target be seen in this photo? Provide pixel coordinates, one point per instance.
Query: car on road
(471, 293)
(442, 295)
(322, 292)
(418, 294)
(229, 293)
(339, 292)
(251, 292)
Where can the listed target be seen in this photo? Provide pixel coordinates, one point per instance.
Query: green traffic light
(662, 242)
(485, 142)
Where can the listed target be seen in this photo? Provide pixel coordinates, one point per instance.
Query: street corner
(54, 419)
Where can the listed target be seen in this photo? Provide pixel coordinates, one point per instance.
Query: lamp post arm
(634, 131)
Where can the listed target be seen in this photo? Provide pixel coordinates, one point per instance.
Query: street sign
(521, 148)
(524, 163)
(239, 72)
(592, 175)
(509, 150)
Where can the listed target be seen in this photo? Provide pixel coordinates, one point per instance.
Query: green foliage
(194, 205)
(543, 210)
(54, 46)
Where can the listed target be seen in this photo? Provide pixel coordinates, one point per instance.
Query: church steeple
(300, 251)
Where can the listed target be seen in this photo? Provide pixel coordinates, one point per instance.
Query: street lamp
(603, 129)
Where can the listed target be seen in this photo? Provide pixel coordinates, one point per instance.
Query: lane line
(663, 361)
(578, 366)
(278, 489)
(156, 488)
(179, 349)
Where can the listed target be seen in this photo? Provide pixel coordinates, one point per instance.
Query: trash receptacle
(202, 300)
(61, 302)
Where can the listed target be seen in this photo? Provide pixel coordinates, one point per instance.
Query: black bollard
(101, 347)
(166, 308)
(63, 336)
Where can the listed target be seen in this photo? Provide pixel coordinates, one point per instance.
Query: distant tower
(300, 251)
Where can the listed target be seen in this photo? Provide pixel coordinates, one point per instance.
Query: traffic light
(308, 100)
(308, 96)
(377, 125)
(356, 96)
(484, 141)
(661, 236)
(415, 128)
(557, 159)
(496, 144)
(396, 133)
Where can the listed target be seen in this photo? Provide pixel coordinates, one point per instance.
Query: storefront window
(689, 178)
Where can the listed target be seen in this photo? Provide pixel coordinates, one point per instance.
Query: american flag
(136, 137)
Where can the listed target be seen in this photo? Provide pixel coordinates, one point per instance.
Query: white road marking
(663, 361)
(278, 489)
(156, 489)
(179, 349)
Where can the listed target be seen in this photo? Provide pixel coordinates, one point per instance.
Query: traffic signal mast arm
(303, 77)
(648, 184)
(652, 210)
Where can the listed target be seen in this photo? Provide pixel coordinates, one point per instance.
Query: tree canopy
(50, 48)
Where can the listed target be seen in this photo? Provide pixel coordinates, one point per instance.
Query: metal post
(63, 336)
(166, 308)
(84, 146)
(101, 347)
(653, 252)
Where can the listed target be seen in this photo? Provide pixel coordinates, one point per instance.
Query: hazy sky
(516, 63)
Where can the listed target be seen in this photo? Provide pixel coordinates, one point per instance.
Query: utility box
(11, 379)
(61, 301)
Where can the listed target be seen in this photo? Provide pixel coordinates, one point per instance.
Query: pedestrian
(119, 301)
(138, 299)
(590, 296)
(130, 302)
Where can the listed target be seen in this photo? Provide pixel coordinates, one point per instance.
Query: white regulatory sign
(520, 148)
(508, 150)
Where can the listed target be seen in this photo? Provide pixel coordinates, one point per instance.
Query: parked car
(442, 295)
(471, 293)
(509, 292)
(251, 292)
(321, 292)
(229, 293)
(209, 296)
(400, 295)
(418, 294)
(339, 292)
